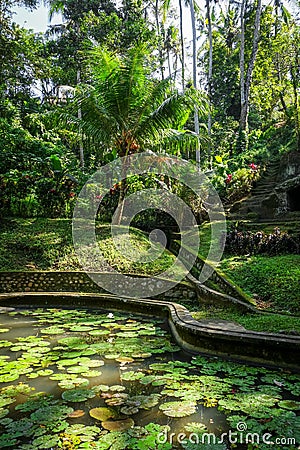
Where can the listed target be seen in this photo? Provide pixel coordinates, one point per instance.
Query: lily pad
(132, 376)
(196, 427)
(73, 383)
(76, 414)
(49, 414)
(45, 442)
(53, 330)
(129, 410)
(102, 414)
(178, 409)
(118, 425)
(99, 332)
(78, 395)
(289, 404)
(117, 388)
(112, 356)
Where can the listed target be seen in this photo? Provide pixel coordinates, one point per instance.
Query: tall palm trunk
(196, 114)
(160, 50)
(246, 80)
(182, 46)
(79, 115)
(210, 70)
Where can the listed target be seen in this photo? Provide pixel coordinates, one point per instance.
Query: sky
(37, 19)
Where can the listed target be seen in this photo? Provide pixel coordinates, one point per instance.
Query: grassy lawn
(272, 280)
(267, 322)
(46, 244)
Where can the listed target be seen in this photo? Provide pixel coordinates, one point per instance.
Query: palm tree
(246, 74)
(126, 111)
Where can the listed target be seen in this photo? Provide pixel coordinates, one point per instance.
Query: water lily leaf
(148, 379)
(129, 410)
(132, 376)
(53, 330)
(22, 427)
(72, 342)
(102, 413)
(49, 414)
(124, 359)
(44, 373)
(7, 440)
(100, 388)
(92, 373)
(80, 328)
(178, 409)
(46, 441)
(78, 395)
(3, 412)
(17, 389)
(32, 375)
(112, 356)
(4, 330)
(77, 369)
(4, 401)
(76, 414)
(118, 425)
(36, 401)
(255, 404)
(7, 378)
(99, 332)
(86, 433)
(144, 401)
(93, 363)
(73, 383)
(117, 388)
(195, 427)
(289, 404)
(141, 355)
(5, 343)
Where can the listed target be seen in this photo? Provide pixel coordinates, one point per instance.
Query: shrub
(248, 243)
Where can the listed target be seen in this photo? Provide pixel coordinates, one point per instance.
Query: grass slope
(46, 244)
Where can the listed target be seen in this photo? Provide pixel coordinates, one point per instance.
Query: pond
(90, 379)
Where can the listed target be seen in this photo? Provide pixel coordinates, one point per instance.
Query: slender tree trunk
(246, 82)
(196, 114)
(79, 115)
(242, 65)
(210, 72)
(295, 81)
(182, 47)
(158, 28)
(119, 212)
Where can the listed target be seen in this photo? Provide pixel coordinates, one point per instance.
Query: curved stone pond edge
(217, 339)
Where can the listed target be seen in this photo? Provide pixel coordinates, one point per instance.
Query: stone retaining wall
(81, 282)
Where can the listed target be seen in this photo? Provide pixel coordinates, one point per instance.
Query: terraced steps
(262, 191)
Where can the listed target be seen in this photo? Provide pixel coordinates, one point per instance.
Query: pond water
(87, 379)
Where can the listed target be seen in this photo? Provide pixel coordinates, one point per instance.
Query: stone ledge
(209, 338)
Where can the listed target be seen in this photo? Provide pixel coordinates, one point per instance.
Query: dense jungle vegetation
(114, 79)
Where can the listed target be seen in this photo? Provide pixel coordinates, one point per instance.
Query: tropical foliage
(129, 69)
